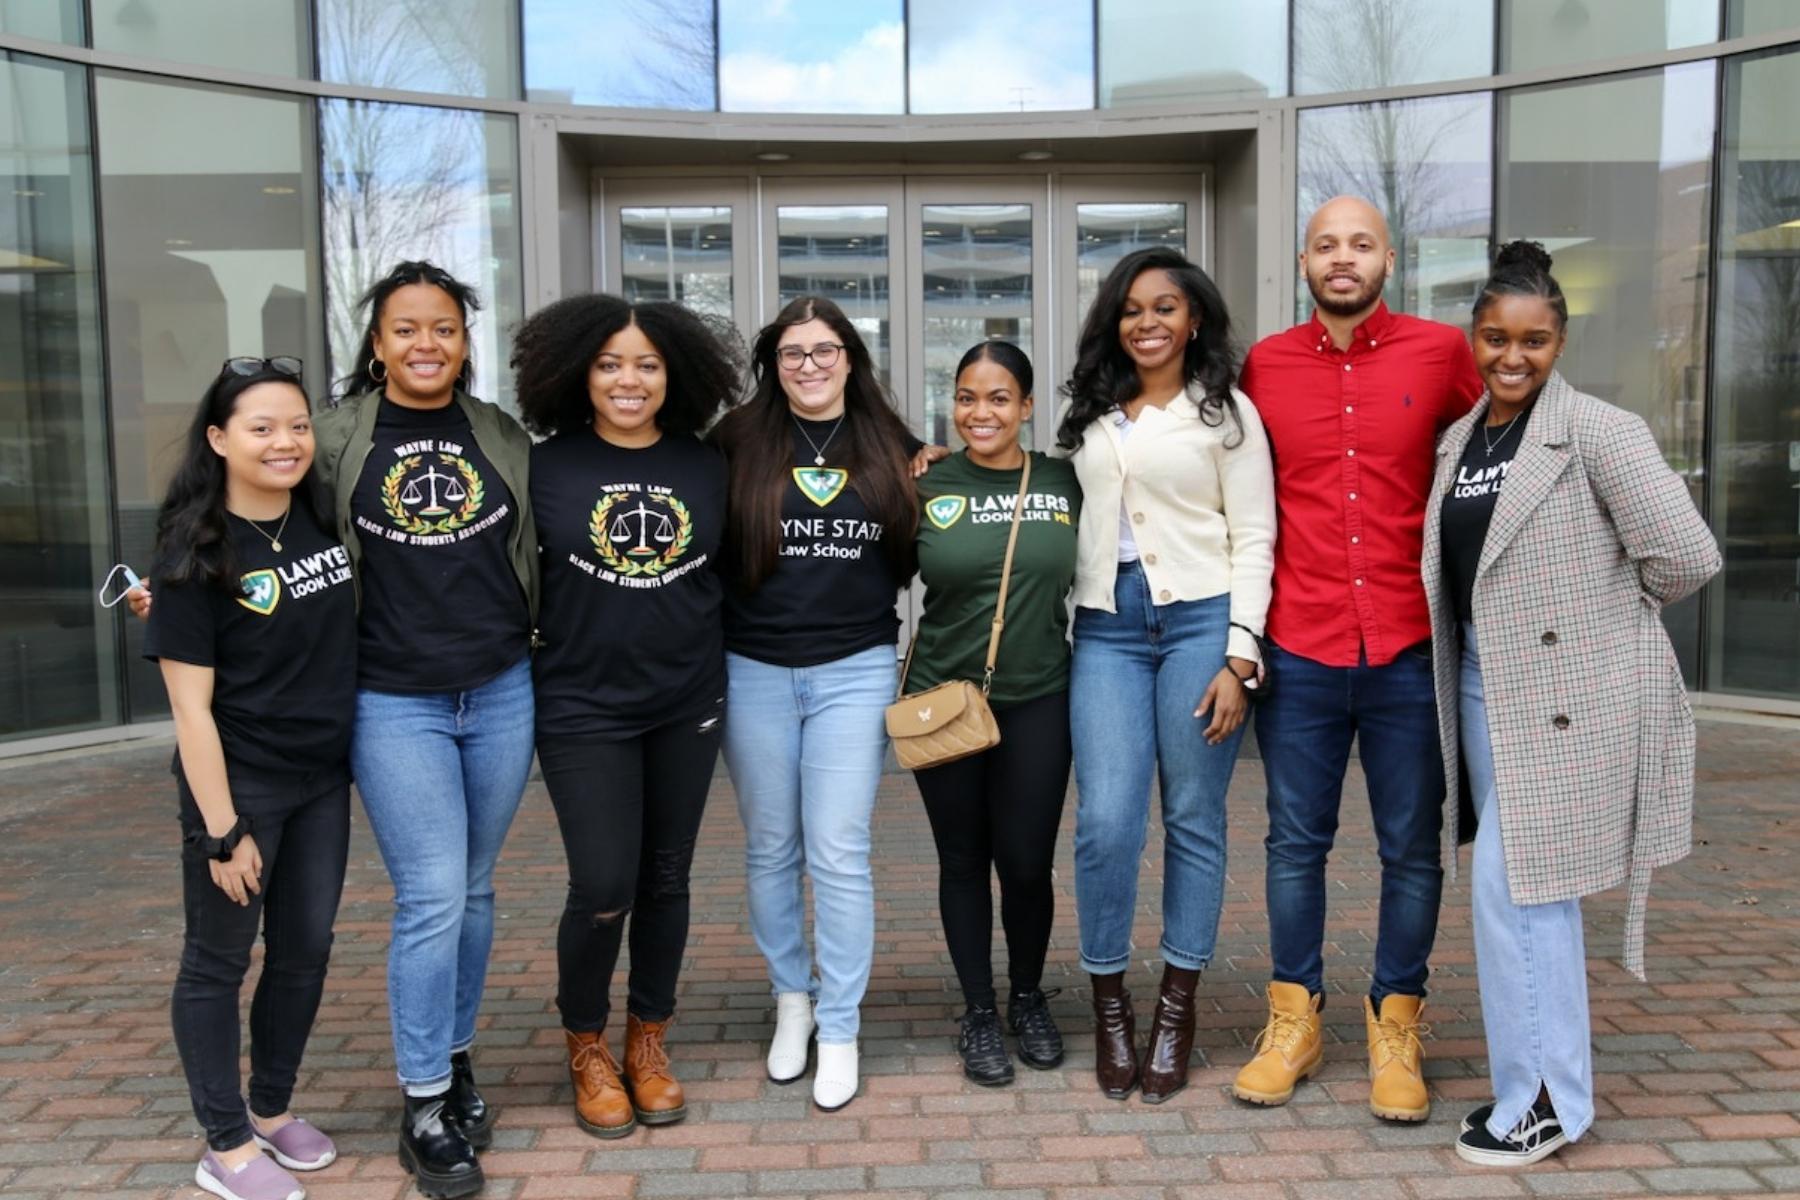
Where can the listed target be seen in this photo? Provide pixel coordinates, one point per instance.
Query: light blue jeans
(440, 777)
(804, 746)
(1530, 959)
(1137, 675)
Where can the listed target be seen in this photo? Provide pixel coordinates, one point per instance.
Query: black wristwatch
(219, 848)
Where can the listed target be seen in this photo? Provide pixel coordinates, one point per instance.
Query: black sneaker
(1040, 1042)
(1478, 1117)
(1536, 1137)
(983, 1050)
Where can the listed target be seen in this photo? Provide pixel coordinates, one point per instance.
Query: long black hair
(359, 380)
(1522, 268)
(1105, 378)
(193, 538)
(758, 438)
(554, 349)
(1014, 360)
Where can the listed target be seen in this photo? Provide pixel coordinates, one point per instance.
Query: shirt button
(1350, 453)
(1137, 518)
(1150, 559)
(1353, 495)
(1549, 638)
(1346, 366)
(1348, 408)
(1560, 721)
(1165, 595)
(1355, 541)
(1359, 583)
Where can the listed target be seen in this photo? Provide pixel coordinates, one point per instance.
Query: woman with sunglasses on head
(630, 673)
(820, 534)
(1171, 590)
(997, 812)
(255, 631)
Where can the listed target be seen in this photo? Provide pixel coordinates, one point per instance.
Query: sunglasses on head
(281, 364)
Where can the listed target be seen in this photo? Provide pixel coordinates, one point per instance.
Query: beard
(1345, 305)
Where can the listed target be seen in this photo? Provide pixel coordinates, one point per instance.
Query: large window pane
(817, 56)
(1148, 57)
(51, 20)
(1349, 45)
(657, 53)
(1000, 56)
(58, 663)
(840, 251)
(208, 255)
(1754, 609)
(408, 182)
(269, 36)
(1621, 198)
(1105, 233)
(1745, 18)
(461, 47)
(679, 254)
(1426, 164)
(976, 260)
(1552, 33)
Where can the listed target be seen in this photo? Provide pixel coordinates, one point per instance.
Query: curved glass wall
(457, 47)
(656, 53)
(999, 56)
(814, 56)
(269, 37)
(1555, 33)
(1354, 45)
(1146, 57)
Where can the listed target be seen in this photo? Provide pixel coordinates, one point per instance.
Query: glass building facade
(186, 180)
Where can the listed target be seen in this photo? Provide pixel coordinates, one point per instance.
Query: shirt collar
(1370, 332)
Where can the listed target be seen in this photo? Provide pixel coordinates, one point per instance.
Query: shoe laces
(1284, 1032)
(595, 1064)
(1399, 1040)
(1031, 1012)
(981, 1035)
(648, 1053)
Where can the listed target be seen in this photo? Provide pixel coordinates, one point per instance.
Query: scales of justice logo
(432, 493)
(640, 533)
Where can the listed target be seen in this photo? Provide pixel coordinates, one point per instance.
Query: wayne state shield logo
(944, 511)
(262, 592)
(821, 485)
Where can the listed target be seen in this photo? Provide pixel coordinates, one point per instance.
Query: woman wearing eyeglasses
(819, 541)
(255, 632)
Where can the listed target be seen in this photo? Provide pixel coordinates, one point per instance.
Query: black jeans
(629, 810)
(998, 812)
(304, 846)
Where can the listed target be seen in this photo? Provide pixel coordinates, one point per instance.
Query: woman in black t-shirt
(630, 671)
(255, 631)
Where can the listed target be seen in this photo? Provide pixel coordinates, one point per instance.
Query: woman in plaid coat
(1557, 531)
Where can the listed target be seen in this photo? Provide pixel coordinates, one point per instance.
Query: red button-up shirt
(1353, 434)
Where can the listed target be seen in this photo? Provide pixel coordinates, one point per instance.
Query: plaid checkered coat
(1592, 734)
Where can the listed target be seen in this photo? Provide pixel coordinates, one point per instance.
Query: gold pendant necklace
(274, 542)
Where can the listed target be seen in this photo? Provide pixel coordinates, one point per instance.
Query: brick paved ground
(1699, 1072)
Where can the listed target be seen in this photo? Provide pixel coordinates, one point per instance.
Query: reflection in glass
(679, 254)
(50, 20)
(1350, 45)
(208, 255)
(407, 182)
(266, 36)
(1552, 33)
(461, 47)
(999, 56)
(816, 56)
(840, 251)
(976, 261)
(1105, 233)
(620, 53)
(1754, 614)
(1145, 60)
(58, 658)
(1745, 18)
(1622, 199)
(1428, 166)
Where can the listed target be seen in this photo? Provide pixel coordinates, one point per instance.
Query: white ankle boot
(793, 1034)
(834, 1083)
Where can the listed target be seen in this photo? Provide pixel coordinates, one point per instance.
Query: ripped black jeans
(629, 810)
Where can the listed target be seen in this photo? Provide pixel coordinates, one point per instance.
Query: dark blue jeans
(1304, 731)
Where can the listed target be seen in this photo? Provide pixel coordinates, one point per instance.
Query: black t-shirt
(442, 610)
(630, 617)
(283, 654)
(832, 592)
(1469, 507)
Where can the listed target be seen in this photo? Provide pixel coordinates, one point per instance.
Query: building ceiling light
(276, 189)
(772, 156)
(27, 192)
(1036, 155)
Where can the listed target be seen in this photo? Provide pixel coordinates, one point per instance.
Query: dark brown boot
(1171, 1036)
(1115, 1036)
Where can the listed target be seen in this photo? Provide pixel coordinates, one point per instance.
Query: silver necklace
(817, 449)
(274, 542)
(1491, 445)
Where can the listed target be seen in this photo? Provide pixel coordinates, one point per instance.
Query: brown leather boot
(601, 1105)
(655, 1092)
(1165, 1070)
(1115, 1036)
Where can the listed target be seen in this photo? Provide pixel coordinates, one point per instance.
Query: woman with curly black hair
(630, 672)
(1175, 550)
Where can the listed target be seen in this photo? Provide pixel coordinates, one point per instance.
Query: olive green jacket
(343, 437)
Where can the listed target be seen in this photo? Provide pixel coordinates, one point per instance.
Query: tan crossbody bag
(953, 720)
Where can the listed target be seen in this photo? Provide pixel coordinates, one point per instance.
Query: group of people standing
(414, 594)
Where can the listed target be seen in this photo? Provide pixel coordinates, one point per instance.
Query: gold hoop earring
(381, 378)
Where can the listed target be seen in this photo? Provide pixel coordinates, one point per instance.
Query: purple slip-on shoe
(258, 1179)
(298, 1146)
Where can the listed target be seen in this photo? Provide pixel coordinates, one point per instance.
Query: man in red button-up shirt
(1353, 401)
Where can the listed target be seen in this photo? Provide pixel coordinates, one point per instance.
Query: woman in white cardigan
(1175, 550)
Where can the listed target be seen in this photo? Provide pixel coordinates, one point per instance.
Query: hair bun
(1523, 252)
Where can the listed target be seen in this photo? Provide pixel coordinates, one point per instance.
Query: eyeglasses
(281, 364)
(824, 356)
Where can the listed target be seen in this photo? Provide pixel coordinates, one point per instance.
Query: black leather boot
(434, 1151)
(466, 1105)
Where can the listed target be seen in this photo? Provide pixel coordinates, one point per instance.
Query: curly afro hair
(554, 348)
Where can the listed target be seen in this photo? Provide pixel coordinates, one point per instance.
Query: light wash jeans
(804, 746)
(440, 777)
(1530, 959)
(1137, 675)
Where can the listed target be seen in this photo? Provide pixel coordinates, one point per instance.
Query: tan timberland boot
(1396, 1058)
(601, 1105)
(655, 1092)
(1288, 1049)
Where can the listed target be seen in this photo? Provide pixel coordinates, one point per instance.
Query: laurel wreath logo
(475, 493)
(649, 567)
